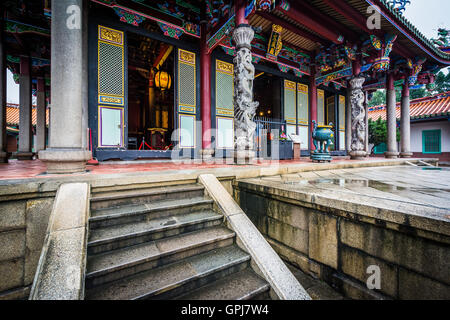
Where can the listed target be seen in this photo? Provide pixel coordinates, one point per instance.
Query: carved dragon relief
(245, 107)
(358, 115)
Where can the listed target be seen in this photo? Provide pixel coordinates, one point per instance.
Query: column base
(21, 155)
(244, 156)
(3, 157)
(391, 154)
(65, 160)
(207, 154)
(406, 154)
(357, 154)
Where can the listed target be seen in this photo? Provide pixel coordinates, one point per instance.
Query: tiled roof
(413, 30)
(12, 115)
(422, 108)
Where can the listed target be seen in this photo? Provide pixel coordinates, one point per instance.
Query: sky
(426, 15)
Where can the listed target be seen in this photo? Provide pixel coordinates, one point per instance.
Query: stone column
(85, 80)
(405, 125)
(3, 153)
(313, 104)
(40, 115)
(244, 73)
(358, 121)
(391, 152)
(366, 108)
(25, 96)
(348, 122)
(66, 152)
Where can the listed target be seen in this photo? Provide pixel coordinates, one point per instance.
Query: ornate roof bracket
(385, 48)
(129, 17)
(415, 70)
(171, 31)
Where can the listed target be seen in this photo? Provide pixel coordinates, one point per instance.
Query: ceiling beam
(318, 15)
(294, 29)
(311, 23)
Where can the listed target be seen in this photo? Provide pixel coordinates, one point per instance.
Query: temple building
(430, 126)
(134, 79)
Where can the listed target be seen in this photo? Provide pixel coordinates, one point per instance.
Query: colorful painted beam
(134, 12)
(17, 27)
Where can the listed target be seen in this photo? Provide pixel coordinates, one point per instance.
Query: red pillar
(356, 67)
(313, 100)
(205, 89)
(240, 13)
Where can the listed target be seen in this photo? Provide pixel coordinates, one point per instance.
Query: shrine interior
(151, 93)
(267, 91)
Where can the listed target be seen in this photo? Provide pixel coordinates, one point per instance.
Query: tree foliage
(378, 98)
(378, 132)
(442, 83)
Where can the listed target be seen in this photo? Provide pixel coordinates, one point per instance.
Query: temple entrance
(267, 92)
(269, 121)
(150, 94)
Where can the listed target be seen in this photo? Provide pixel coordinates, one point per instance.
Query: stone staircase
(165, 243)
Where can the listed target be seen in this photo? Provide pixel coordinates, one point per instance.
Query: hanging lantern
(163, 80)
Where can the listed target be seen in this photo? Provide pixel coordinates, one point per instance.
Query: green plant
(378, 132)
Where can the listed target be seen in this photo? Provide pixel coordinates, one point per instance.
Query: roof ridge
(414, 31)
(437, 96)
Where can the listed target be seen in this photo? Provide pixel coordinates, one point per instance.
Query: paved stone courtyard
(425, 190)
(334, 224)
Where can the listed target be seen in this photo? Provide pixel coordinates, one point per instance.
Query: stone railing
(61, 268)
(265, 261)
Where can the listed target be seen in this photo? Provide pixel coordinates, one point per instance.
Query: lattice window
(342, 113)
(224, 89)
(320, 107)
(290, 101)
(187, 84)
(303, 104)
(431, 140)
(111, 72)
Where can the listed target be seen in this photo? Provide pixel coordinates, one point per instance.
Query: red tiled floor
(35, 168)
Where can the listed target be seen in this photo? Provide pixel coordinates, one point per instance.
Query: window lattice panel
(187, 84)
(289, 105)
(341, 113)
(432, 141)
(321, 107)
(110, 69)
(303, 107)
(224, 87)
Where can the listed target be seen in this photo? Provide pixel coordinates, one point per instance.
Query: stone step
(109, 199)
(134, 213)
(125, 235)
(117, 264)
(243, 285)
(176, 278)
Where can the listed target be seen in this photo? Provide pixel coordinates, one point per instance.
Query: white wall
(418, 127)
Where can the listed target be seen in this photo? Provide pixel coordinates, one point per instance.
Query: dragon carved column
(358, 136)
(244, 106)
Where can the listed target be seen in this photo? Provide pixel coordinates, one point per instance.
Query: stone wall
(338, 246)
(23, 223)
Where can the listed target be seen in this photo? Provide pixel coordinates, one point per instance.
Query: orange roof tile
(12, 115)
(427, 107)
